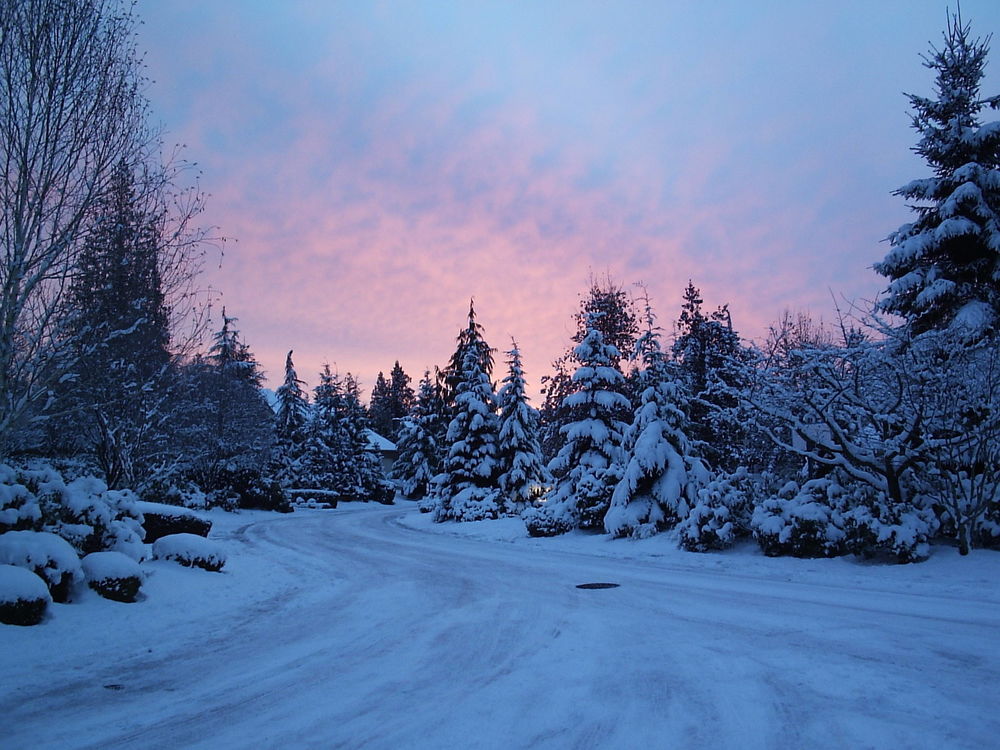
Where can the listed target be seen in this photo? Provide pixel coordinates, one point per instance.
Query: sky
(374, 165)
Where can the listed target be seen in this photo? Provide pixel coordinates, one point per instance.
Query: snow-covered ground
(370, 626)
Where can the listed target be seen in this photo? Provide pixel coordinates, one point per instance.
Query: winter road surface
(354, 629)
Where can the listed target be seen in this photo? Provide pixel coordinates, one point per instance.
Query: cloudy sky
(376, 164)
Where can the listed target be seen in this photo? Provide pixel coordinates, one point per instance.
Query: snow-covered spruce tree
(292, 416)
(661, 477)
(120, 337)
(380, 408)
(418, 460)
(522, 473)
(613, 312)
(470, 337)
(401, 396)
(365, 464)
(589, 464)
(944, 268)
(324, 452)
(711, 360)
(468, 487)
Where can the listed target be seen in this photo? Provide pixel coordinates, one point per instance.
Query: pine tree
(380, 409)
(522, 473)
(292, 416)
(324, 455)
(711, 358)
(364, 462)
(401, 396)
(242, 421)
(418, 460)
(944, 268)
(468, 490)
(660, 476)
(120, 330)
(589, 464)
(470, 337)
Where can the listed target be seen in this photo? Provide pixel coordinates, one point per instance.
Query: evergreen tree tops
(522, 473)
(657, 484)
(588, 466)
(293, 404)
(232, 356)
(944, 268)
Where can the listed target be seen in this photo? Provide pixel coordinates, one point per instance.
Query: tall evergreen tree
(120, 330)
(292, 416)
(401, 396)
(661, 476)
(380, 411)
(470, 337)
(522, 473)
(944, 268)
(419, 457)
(589, 464)
(710, 357)
(468, 490)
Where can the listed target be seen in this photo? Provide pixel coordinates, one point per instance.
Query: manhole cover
(114, 686)
(597, 585)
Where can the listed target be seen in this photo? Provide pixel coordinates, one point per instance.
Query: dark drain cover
(597, 585)
(114, 686)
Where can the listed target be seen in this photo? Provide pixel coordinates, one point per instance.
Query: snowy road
(353, 629)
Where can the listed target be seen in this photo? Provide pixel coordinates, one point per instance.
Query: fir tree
(470, 337)
(380, 409)
(944, 268)
(588, 466)
(292, 416)
(468, 489)
(401, 396)
(711, 361)
(522, 473)
(419, 453)
(659, 480)
(120, 330)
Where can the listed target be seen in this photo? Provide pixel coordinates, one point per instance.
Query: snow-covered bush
(231, 487)
(113, 575)
(542, 521)
(723, 511)
(875, 525)
(159, 520)
(472, 504)
(49, 556)
(802, 522)
(84, 511)
(19, 508)
(190, 550)
(93, 518)
(24, 596)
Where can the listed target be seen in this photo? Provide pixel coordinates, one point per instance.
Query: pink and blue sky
(379, 163)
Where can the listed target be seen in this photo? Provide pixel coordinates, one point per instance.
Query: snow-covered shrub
(113, 575)
(723, 511)
(472, 504)
(159, 520)
(49, 556)
(231, 487)
(174, 491)
(93, 518)
(24, 596)
(546, 520)
(190, 550)
(874, 525)
(802, 522)
(19, 509)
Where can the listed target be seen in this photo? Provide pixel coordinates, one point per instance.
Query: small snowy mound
(190, 550)
(49, 556)
(24, 596)
(113, 575)
(160, 520)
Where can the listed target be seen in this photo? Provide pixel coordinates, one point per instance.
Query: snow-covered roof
(380, 443)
